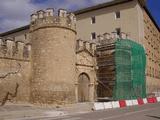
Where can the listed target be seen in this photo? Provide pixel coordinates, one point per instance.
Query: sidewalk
(31, 112)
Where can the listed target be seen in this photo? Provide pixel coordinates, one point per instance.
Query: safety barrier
(124, 103)
(129, 102)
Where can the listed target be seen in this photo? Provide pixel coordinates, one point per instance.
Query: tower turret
(53, 57)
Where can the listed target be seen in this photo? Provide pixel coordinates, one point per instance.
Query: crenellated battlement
(49, 18)
(109, 38)
(85, 45)
(10, 49)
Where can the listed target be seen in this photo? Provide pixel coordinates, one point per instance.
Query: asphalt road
(21, 112)
(144, 112)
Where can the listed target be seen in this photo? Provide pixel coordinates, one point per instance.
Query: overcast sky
(16, 13)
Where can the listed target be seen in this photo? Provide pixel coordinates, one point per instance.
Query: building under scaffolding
(121, 69)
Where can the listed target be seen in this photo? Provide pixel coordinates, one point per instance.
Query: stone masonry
(49, 73)
(58, 69)
(14, 71)
(53, 57)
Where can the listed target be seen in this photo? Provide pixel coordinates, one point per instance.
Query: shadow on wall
(156, 117)
(8, 93)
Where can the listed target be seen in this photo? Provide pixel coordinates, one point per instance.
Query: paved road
(145, 112)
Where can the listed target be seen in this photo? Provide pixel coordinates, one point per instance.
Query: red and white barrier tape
(124, 103)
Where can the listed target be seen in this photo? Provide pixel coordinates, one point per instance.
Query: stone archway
(83, 88)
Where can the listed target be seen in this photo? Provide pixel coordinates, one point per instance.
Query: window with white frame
(93, 20)
(118, 31)
(93, 36)
(117, 14)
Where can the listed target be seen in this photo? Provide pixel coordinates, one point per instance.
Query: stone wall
(14, 71)
(86, 64)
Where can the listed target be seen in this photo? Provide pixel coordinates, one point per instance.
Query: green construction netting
(130, 61)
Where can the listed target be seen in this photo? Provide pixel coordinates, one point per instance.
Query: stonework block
(123, 35)
(20, 48)
(107, 36)
(49, 12)
(48, 19)
(34, 17)
(40, 14)
(62, 13)
(9, 47)
(87, 45)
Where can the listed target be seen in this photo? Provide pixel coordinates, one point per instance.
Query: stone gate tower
(53, 39)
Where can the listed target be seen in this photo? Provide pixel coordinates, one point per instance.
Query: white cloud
(16, 13)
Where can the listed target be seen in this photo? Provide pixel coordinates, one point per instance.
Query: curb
(124, 103)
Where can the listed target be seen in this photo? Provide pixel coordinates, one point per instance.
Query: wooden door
(83, 88)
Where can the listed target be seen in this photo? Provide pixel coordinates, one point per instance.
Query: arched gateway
(83, 88)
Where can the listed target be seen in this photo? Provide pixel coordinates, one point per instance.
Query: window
(118, 31)
(93, 20)
(117, 14)
(93, 36)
